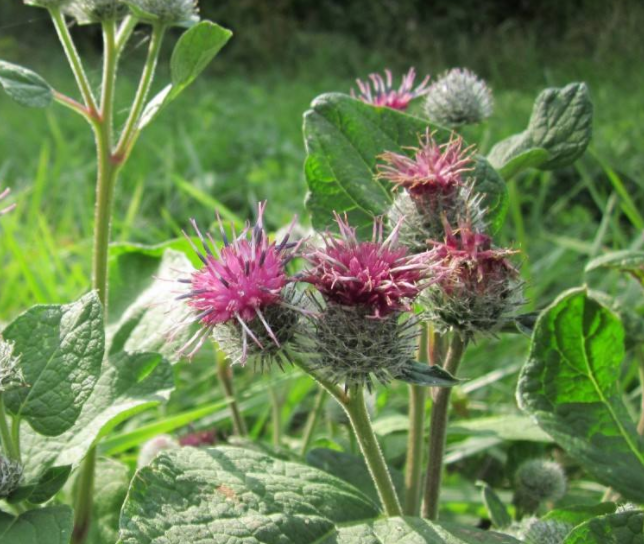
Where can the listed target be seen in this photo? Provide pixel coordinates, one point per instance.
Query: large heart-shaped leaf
(62, 350)
(213, 496)
(52, 525)
(558, 133)
(569, 384)
(24, 86)
(621, 528)
(344, 138)
(129, 383)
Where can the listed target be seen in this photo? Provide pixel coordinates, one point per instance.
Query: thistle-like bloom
(10, 476)
(479, 290)
(95, 11)
(240, 295)
(458, 98)
(167, 12)
(380, 91)
(3, 195)
(536, 481)
(11, 375)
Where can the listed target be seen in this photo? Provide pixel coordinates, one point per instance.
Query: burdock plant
(380, 91)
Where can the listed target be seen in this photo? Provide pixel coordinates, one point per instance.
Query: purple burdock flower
(379, 91)
(480, 288)
(240, 295)
(359, 331)
(3, 195)
(434, 185)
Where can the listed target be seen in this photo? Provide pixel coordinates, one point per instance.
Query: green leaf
(579, 513)
(427, 375)
(24, 86)
(343, 139)
(129, 383)
(569, 384)
(622, 528)
(113, 480)
(558, 133)
(497, 511)
(62, 349)
(194, 51)
(507, 427)
(625, 261)
(51, 525)
(192, 495)
(50, 483)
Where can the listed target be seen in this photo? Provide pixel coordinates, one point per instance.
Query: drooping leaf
(129, 383)
(24, 86)
(569, 384)
(62, 349)
(621, 528)
(577, 514)
(558, 133)
(344, 138)
(192, 495)
(51, 525)
(626, 261)
(427, 375)
(50, 483)
(497, 511)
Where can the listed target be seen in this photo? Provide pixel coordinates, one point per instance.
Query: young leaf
(558, 133)
(427, 375)
(497, 511)
(24, 86)
(51, 525)
(343, 139)
(625, 261)
(621, 528)
(569, 384)
(62, 350)
(578, 514)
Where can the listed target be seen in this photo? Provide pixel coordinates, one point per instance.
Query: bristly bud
(458, 98)
(95, 11)
(434, 189)
(10, 476)
(480, 290)
(358, 333)
(379, 91)
(3, 195)
(153, 447)
(239, 296)
(537, 481)
(166, 12)
(537, 531)
(11, 376)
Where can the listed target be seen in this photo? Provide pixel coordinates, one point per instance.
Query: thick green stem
(128, 136)
(225, 375)
(312, 420)
(74, 60)
(276, 417)
(640, 425)
(5, 434)
(414, 465)
(438, 431)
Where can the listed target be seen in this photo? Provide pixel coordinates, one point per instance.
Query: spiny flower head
(10, 476)
(479, 287)
(380, 91)
(237, 287)
(3, 195)
(168, 12)
(11, 375)
(378, 275)
(459, 97)
(95, 11)
(536, 481)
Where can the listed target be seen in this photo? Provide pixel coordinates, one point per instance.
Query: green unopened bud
(537, 481)
(95, 11)
(10, 476)
(459, 97)
(153, 447)
(536, 531)
(166, 12)
(47, 4)
(10, 372)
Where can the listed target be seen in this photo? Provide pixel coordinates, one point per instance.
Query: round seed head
(10, 476)
(11, 376)
(153, 447)
(167, 12)
(380, 91)
(95, 11)
(458, 98)
(537, 481)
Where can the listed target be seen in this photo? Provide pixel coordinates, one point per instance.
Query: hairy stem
(640, 424)
(312, 420)
(124, 32)
(5, 434)
(438, 431)
(225, 375)
(414, 464)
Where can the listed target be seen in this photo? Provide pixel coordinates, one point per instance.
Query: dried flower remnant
(4, 195)
(480, 288)
(166, 12)
(241, 295)
(458, 98)
(10, 476)
(359, 332)
(380, 91)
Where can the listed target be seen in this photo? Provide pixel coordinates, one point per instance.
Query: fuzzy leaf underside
(569, 384)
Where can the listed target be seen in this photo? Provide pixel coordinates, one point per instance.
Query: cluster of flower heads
(380, 91)
(3, 195)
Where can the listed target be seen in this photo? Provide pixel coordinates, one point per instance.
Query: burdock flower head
(3, 195)
(358, 332)
(95, 11)
(480, 288)
(458, 98)
(10, 476)
(537, 481)
(167, 12)
(380, 91)
(431, 184)
(241, 295)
